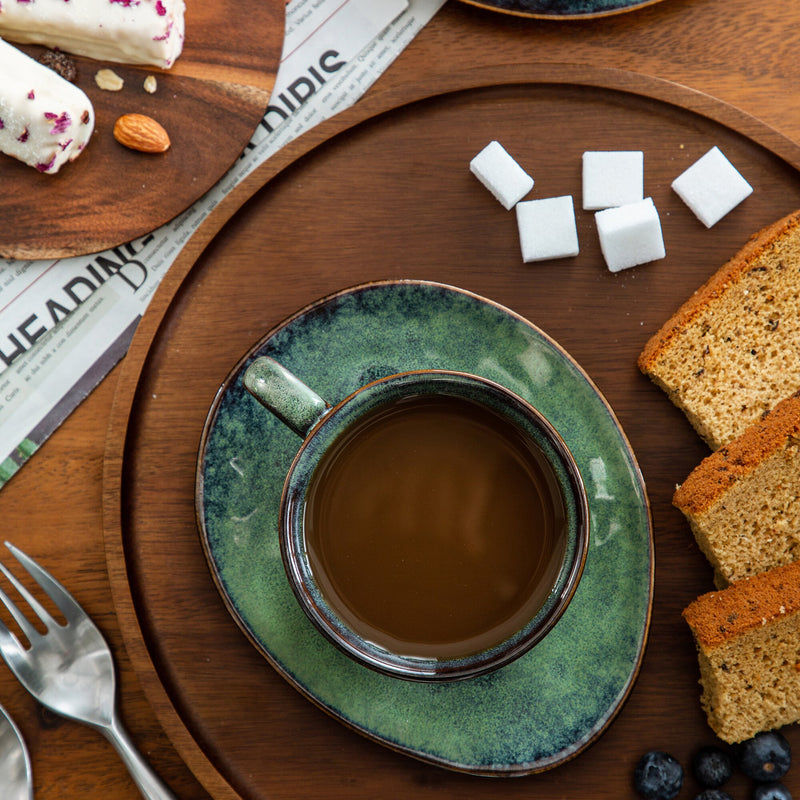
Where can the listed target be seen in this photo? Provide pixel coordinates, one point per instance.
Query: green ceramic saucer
(534, 713)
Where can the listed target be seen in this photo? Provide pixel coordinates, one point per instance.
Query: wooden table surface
(740, 52)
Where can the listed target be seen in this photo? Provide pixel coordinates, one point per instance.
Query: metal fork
(69, 668)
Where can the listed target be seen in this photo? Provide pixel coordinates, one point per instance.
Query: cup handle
(285, 395)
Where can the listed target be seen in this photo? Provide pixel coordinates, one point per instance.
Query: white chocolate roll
(148, 32)
(45, 120)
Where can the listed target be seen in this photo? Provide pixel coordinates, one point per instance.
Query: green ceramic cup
(552, 566)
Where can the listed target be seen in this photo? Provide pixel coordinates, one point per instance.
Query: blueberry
(712, 767)
(771, 791)
(658, 776)
(713, 794)
(765, 757)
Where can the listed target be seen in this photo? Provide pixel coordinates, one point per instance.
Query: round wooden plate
(383, 192)
(210, 103)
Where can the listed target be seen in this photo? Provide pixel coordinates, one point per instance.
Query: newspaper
(64, 324)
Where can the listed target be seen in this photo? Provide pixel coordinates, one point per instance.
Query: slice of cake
(748, 643)
(743, 501)
(732, 350)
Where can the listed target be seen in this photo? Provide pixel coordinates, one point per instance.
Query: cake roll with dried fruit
(149, 32)
(45, 121)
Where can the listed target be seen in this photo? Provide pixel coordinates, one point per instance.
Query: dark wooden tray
(384, 191)
(210, 103)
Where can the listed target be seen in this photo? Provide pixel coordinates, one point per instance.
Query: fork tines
(52, 588)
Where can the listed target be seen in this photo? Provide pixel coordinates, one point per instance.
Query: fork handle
(149, 784)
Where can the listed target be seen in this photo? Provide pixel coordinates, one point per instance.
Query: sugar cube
(501, 174)
(630, 234)
(547, 228)
(612, 178)
(711, 187)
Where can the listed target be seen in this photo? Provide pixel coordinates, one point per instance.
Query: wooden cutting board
(384, 191)
(209, 102)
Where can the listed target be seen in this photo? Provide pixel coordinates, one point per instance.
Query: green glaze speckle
(527, 716)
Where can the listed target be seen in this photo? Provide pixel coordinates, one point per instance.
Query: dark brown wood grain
(209, 103)
(734, 50)
(346, 213)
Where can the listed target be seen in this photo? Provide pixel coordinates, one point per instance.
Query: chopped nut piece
(150, 84)
(108, 80)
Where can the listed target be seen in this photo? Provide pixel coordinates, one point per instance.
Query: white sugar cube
(547, 228)
(711, 187)
(630, 234)
(501, 174)
(612, 178)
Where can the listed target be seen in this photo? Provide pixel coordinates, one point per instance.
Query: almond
(140, 132)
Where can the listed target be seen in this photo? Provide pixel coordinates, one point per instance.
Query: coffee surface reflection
(435, 527)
